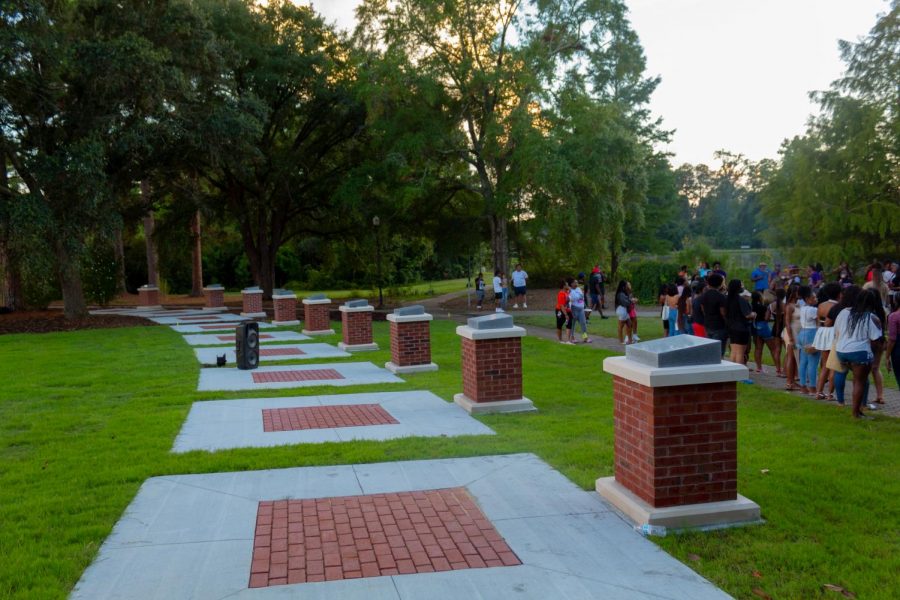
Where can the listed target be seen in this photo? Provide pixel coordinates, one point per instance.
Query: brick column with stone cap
(148, 298)
(215, 298)
(410, 341)
(492, 366)
(356, 318)
(675, 416)
(252, 297)
(316, 315)
(285, 302)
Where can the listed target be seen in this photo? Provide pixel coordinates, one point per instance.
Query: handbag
(833, 362)
(665, 312)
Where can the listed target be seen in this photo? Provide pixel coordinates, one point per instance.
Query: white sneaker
(635, 338)
(499, 310)
(515, 306)
(524, 305)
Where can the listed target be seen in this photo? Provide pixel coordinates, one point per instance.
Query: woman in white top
(809, 356)
(857, 330)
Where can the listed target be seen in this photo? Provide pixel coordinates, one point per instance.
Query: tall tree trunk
(119, 249)
(196, 257)
(11, 292)
(499, 243)
(69, 273)
(149, 226)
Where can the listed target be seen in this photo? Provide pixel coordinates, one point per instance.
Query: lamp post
(376, 222)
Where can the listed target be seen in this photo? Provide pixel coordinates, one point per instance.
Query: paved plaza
(274, 352)
(225, 424)
(293, 376)
(484, 527)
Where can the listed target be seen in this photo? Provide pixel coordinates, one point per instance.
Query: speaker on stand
(247, 345)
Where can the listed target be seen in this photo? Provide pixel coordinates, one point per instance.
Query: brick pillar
(215, 298)
(356, 321)
(148, 297)
(253, 307)
(316, 316)
(492, 366)
(285, 308)
(676, 443)
(410, 342)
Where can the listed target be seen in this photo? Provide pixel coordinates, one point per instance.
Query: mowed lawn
(86, 417)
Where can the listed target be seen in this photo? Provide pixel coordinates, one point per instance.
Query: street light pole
(376, 222)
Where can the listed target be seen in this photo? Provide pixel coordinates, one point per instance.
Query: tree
(84, 91)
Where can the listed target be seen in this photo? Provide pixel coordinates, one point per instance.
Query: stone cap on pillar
(255, 289)
(214, 287)
(677, 360)
(149, 287)
(490, 327)
(351, 306)
(317, 299)
(283, 294)
(409, 314)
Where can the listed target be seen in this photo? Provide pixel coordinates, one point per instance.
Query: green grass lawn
(648, 328)
(86, 417)
(398, 293)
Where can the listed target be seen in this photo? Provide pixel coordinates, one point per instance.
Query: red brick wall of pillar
(357, 327)
(148, 297)
(492, 369)
(214, 298)
(676, 445)
(252, 303)
(316, 317)
(411, 343)
(285, 309)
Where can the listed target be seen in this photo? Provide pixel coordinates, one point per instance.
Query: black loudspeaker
(247, 345)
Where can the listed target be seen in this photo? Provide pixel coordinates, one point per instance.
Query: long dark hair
(735, 287)
(621, 289)
(867, 303)
(683, 299)
(780, 295)
(848, 296)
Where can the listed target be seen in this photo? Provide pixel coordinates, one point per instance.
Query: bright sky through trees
(735, 73)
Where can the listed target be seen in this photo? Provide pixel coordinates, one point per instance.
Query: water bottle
(657, 530)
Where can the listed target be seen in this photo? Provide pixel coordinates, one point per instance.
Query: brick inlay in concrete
(325, 539)
(288, 376)
(197, 318)
(215, 327)
(325, 417)
(231, 338)
(281, 352)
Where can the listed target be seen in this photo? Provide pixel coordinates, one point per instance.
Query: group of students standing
(816, 334)
(571, 304)
(500, 285)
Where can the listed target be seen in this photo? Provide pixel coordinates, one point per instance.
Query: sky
(736, 74)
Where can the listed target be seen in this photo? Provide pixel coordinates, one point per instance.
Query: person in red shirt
(563, 315)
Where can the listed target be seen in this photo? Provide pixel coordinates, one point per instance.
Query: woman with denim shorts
(857, 329)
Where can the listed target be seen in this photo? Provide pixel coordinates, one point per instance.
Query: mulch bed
(49, 321)
(537, 300)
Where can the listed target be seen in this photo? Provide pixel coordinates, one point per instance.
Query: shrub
(646, 277)
(99, 275)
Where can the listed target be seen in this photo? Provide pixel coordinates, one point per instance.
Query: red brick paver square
(281, 352)
(324, 539)
(288, 376)
(322, 417)
(214, 327)
(231, 338)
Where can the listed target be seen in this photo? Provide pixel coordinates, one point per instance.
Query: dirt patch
(537, 300)
(49, 321)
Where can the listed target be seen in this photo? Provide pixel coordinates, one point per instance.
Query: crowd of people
(817, 326)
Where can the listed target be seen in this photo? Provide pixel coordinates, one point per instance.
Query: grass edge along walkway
(88, 416)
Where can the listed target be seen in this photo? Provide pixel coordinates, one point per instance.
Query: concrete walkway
(490, 527)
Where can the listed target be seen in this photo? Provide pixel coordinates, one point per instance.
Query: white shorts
(622, 313)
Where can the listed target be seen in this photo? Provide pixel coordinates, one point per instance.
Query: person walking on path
(712, 305)
(738, 316)
(831, 294)
(499, 300)
(520, 282)
(762, 333)
(858, 332)
(563, 314)
(576, 304)
(479, 291)
(809, 356)
(623, 303)
(595, 286)
(893, 340)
